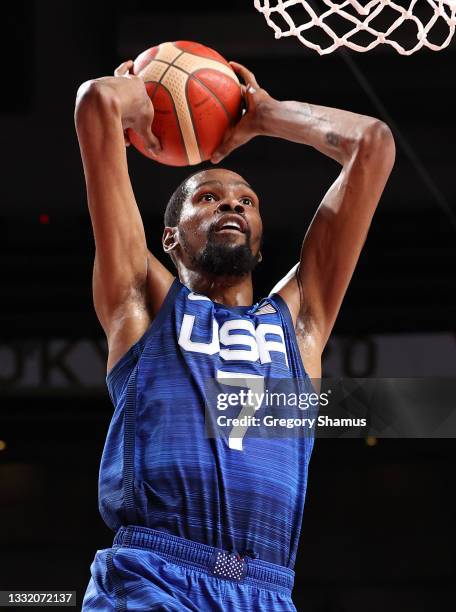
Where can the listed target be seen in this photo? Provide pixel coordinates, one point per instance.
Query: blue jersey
(159, 468)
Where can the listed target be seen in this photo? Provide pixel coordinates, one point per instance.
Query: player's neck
(228, 290)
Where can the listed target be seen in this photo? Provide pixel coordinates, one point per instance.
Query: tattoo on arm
(332, 139)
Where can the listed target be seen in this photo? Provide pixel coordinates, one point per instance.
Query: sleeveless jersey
(160, 470)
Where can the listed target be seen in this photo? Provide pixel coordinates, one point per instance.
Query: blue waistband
(213, 561)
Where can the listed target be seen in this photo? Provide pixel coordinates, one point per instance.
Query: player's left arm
(364, 146)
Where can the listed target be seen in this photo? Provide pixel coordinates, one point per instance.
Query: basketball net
(363, 25)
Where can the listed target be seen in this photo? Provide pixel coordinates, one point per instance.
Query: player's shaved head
(176, 201)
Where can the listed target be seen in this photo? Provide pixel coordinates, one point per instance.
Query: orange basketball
(196, 97)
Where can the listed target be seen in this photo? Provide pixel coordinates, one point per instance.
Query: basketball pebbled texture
(196, 97)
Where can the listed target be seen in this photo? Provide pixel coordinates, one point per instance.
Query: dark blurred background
(378, 531)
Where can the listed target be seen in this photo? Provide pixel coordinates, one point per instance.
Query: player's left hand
(251, 123)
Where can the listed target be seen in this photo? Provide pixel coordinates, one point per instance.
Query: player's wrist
(267, 110)
(98, 95)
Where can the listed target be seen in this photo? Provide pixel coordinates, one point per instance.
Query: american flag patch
(266, 309)
(229, 565)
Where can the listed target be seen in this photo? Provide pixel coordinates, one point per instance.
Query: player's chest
(206, 331)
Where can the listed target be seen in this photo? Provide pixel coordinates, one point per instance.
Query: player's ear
(169, 239)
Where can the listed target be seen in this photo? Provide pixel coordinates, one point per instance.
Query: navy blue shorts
(154, 571)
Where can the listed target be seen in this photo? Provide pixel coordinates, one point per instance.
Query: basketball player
(210, 524)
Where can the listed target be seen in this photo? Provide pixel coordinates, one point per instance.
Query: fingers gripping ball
(196, 97)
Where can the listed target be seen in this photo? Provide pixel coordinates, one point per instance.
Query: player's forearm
(112, 96)
(335, 133)
(99, 129)
(109, 192)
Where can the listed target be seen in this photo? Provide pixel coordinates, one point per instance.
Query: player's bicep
(121, 255)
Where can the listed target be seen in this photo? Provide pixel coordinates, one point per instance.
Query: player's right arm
(129, 283)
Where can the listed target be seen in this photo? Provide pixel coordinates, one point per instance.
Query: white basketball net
(362, 25)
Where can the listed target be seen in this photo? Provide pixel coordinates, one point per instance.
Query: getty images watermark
(253, 406)
(247, 405)
(249, 400)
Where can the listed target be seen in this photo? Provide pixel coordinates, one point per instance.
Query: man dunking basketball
(201, 525)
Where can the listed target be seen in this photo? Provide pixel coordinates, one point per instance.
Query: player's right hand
(136, 107)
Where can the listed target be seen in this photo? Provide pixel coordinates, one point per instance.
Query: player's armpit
(314, 289)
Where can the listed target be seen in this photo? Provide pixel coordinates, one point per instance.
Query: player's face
(220, 219)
